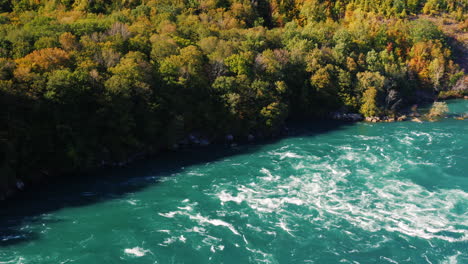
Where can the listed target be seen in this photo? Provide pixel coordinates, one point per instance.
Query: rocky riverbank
(192, 141)
(410, 114)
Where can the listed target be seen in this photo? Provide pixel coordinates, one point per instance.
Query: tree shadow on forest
(84, 189)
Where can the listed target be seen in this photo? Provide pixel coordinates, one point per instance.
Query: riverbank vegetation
(439, 109)
(86, 82)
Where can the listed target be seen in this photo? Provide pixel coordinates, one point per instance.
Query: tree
(68, 41)
(369, 103)
(163, 46)
(272, 62)
(45, 59)
(313, 10)
(61, 86)
(273, 114)
(184, 68)
(425, 30)
(132, 76)
(240, 64)
(371, 84)
(438, 109)
(373, 62)
(436, 73)
(46, 42)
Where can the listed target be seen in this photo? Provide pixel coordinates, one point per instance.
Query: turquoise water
(356, 193)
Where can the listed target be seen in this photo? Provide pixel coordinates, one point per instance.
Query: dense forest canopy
(87, 81)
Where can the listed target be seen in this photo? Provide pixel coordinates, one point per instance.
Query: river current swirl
(355, 193)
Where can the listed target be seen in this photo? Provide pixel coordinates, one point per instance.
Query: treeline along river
(337, 193)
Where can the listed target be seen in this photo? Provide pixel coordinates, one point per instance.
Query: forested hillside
(82, 82)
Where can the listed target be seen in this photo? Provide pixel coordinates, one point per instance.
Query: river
(336, 193)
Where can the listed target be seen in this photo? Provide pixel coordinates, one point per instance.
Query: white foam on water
(452, 259)
(169, 214)
(16, 260)
(351, 156)
(299, 166)
(293, 200)
(255, 228)
(168, 241)
(196, 229)
(6, 238)
(344, 147)
(344, 189)
(195, 173)
(260, 204)
(270, 176)
(132, 201)
(406, 140)
(264, 257)
(67, 261)
(284, 226)
(411, 162)
(366, 138)
(186, 208)
(226, 197)
(289, 154)
(215, 248)
(380, 202)
(427, 259)
(284, 153)
(389, 260)
(216, 222)
(422, 134)
(136, 251)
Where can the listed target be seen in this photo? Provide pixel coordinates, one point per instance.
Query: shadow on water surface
(105, 184)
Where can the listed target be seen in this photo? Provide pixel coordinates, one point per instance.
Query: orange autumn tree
(42, 61)
(429, 60)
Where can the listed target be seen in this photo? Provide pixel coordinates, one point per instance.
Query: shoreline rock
(402, 118)
(353, 117)
(372, 119)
